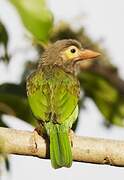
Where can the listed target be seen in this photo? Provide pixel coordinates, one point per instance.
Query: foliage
(99, 79)
(38, 20)
(13, 102)
(107, 98)
(36, 17)
(4, 42)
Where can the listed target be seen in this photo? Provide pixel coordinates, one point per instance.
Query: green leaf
(36, 17)
(107, 98)
(13, 101)
(13, 89)
(4, 42)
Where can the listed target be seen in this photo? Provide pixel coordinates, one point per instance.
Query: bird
(53, 92)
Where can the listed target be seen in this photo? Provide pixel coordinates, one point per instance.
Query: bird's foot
(38, 130)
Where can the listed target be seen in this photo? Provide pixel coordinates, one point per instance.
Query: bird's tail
(60, 147)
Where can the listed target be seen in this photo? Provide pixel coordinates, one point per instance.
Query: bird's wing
(65, 94)
(52, 93)
(38, 93)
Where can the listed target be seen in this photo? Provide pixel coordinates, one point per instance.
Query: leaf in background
(107, 98)
(13, 101)
(4, 42)
(13, 89)
(36, 17)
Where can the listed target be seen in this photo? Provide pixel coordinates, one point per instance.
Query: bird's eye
(73, 50)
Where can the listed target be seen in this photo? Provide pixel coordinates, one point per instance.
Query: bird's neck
(67, 67)
(71, 68)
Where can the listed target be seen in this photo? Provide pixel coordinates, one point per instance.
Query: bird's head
(66, 53)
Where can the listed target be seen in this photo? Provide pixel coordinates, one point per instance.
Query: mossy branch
(85, 149)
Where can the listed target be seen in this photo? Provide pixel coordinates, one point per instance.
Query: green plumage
(53, 96)
(60, 148)
(53, 93)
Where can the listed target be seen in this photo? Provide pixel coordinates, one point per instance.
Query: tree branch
(86, 149)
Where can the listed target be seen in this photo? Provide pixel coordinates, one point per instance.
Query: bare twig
(86, 149)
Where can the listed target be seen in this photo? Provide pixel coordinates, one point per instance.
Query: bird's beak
(87, 54)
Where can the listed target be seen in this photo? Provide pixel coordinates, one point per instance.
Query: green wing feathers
(53, 97)
(52, 91)
(38, 95)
